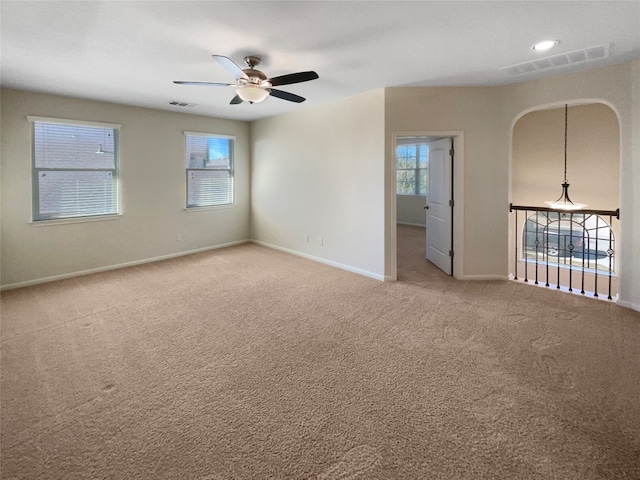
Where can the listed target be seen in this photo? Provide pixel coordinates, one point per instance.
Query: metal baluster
(545, 254)
(526, 263)
(582, 287)
(515, 265)
(537, 243)
(595, 260)
(558, 259)
(566, 248)
(610, 252)
(571, 253)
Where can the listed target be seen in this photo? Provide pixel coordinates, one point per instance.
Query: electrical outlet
(306, 237)
(179, 237)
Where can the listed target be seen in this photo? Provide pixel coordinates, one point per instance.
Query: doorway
(424, 194)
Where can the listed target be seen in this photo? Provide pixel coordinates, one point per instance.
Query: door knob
(426, 207)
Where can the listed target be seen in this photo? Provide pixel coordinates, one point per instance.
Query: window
(411, 169)
(578, 239)
(209, 166)
(75, 169)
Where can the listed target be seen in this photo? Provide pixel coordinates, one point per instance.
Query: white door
(439, 205)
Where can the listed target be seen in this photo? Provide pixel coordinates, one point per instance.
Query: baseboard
(484, 277)
(342, 266)
(117, 266)
(630, 305)
(412, 224)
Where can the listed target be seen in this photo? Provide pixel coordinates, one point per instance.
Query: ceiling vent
(556, 61)
(176, 103)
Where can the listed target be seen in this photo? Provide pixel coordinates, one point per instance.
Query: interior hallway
(413, 267)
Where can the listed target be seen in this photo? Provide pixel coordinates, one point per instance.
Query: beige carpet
(249, 363)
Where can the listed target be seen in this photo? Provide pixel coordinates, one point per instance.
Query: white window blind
(209, 167)
(75, 170)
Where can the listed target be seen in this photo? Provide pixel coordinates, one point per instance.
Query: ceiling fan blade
(293, 78)
(236, 100)
(286, 96)
(230, 66)
(206, 84)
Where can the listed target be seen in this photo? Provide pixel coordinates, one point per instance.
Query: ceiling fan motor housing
(255, 76)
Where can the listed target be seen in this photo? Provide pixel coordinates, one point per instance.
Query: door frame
(391, 261)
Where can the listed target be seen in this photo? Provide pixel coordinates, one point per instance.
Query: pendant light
(564, 202)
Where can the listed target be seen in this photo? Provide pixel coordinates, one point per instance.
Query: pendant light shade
(564, 202)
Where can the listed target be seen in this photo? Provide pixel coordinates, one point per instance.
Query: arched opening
(557, 246)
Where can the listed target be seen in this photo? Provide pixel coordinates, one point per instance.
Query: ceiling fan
(254, 86)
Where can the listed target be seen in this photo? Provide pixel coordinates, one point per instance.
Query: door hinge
(451, 203)
(451, 253)
(451, 152)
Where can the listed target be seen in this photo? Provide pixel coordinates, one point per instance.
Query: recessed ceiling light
(544, 45)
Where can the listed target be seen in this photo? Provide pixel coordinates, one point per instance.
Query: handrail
(556, 248)
(606, 213)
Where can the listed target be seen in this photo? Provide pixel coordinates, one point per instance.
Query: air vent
(577, 56)
(176, 103)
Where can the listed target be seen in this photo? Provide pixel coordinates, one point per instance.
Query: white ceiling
(130, 52)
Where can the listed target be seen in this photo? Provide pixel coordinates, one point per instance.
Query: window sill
(211, 207)
(66, 221)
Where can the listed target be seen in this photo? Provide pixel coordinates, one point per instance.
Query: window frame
(415, 169)
(544, 227)
(230, 169)
(35, 172)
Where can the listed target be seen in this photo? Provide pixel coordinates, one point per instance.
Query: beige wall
(631, 194)
(320, 172)
(410, 210)
(593, 156)
(152, 195)
(617, 87)
(479, 169)
(486, 117)
(324, 171)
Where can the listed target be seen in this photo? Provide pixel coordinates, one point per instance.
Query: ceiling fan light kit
(252, 85)
(252, 93)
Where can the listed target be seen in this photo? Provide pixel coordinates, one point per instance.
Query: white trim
(203, 134)
(631, 305)
(64, 276)
(209, 207)
(413, 224)
(458, 197)
(578, 293)
(80, 123)
(67, 220)
(342, 266)
(484, 277)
